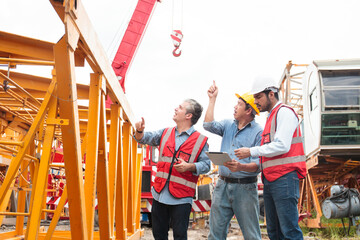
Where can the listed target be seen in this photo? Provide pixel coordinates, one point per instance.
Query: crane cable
(177, 34)
(115, 42)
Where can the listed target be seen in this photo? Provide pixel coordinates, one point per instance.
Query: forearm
(269, 150)
(191, 167)
(209, 115)
(236, 166)
(138, 135)
(250, 167)
(149, 138)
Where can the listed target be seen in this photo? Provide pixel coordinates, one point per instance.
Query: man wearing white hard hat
(235, 192)
(282, 161)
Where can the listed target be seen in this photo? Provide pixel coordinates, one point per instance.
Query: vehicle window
(341, 78)
(342, 97)
(341, 89)
(340, 129)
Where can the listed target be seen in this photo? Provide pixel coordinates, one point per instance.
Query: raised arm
(212, 93)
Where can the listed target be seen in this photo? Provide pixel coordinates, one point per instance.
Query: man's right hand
(234, 165)
(213, 90)
(140, 126)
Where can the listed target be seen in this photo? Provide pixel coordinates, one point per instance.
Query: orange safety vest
(294, 160)
(180, 184)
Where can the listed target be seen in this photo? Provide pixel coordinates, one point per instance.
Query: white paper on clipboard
(218, 158)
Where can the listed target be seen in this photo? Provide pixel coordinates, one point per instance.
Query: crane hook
(177, 54)
(177, 38)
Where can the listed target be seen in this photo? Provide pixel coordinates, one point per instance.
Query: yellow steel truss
(101, 160)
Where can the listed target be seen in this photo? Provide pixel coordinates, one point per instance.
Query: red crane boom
(132, 38)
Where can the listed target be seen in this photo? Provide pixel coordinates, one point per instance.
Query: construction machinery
(40, 114)
(326, 96)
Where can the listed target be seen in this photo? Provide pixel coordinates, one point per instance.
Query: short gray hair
(195, 109)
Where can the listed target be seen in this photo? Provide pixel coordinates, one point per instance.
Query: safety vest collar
(198, 144)
(165, 139)
(273, 125)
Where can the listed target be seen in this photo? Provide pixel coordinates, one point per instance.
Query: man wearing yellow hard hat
(235, 192)
(283, 161)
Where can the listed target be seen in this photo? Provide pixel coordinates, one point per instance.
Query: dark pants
(163, 214)
(281, 199)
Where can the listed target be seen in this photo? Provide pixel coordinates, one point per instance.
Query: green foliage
(333, 230)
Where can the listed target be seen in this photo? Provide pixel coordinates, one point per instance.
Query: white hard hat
(263, 83)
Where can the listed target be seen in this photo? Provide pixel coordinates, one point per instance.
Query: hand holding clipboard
(218, 158)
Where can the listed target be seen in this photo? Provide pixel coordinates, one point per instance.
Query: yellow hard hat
(249, 99)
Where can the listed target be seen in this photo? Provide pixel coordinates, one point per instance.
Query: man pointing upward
(282, 161)
(182, 159)
(235, 192)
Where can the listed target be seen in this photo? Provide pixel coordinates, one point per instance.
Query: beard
(267, 105)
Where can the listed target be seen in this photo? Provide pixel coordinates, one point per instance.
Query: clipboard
(218, 158)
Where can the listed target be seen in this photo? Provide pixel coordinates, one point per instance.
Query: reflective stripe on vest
(296, 140)
(176, 179)
(165, 138)
(281, 161)
(196, 148)
(273, 129)
(165, 159)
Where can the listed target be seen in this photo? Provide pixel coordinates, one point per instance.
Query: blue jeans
(239, 199)
(281, 199)
(163, 214)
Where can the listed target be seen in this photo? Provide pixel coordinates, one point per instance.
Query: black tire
(261, 208)
(150, 220)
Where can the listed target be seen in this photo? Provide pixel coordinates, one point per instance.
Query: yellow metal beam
(116, 176)
(37, 86)
(56, 216)
(121, 184)
(26, 61)
(5, 202)
(103, 177)
(15, 163)
(127, 176)
(92, 147)
(65, 73)
(13, 143)
(132, 188)
(39, 193)
(89, 38)
(3, 76)
(26, 47)
(138, 179)
(23, 182)
(113, 161)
